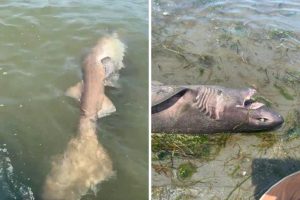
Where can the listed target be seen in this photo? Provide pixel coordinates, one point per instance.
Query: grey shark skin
(209, 109)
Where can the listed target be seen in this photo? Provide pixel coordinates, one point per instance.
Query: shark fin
(107, 108)
(75, 91)
(108, 65)
(112, 81)
(111, 74)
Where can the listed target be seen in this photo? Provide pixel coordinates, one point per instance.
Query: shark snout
(276, 120)
(269, 119)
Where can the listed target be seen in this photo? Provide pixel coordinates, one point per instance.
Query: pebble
(165, 13)
(4, 73)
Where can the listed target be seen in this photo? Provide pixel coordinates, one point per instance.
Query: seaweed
(264, 100)
(284, 92)
(278, 34)
(206, 60)
(204, 147)
(186, 170)
(292, 125)
(267, 140)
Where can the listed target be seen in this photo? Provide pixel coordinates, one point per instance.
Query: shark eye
(248, 102)
(262, 119)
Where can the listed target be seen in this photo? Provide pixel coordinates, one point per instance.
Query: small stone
(20, 105)
(1, 105)
(165, 13)
(4, 73)
(244, 173)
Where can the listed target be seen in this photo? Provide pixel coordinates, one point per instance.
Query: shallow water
(236, 44)
(42, 46)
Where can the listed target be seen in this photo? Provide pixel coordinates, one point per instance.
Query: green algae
(277, 34)
(263, 100)
(186, 170)
(267, 139)
(204, 147)
(284, 92)
(292, 125)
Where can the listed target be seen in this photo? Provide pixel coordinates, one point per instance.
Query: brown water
(236, 44)
(42, 45)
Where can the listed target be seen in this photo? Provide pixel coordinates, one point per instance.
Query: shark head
(255, 116)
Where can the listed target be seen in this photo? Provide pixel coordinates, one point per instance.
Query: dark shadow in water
(266, 172)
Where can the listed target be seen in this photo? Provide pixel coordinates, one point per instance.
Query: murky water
(235, 44)
(42, 45)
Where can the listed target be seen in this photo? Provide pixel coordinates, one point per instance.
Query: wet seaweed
(237, 187)
(278, 34)
(264, 100)
(206, 60)
(283, 91)
(267, 140)
(184, 197)
(292, 125)
(204, 147)
(292, 78)
(186, 170)
(164, 169)
(239, 26)
(224, 39)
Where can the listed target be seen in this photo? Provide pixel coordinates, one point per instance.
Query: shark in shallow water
(85, 163)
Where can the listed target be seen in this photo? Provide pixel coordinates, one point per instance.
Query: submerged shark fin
(75, 91)
(111, 74)
(107, 108)
(112, 81)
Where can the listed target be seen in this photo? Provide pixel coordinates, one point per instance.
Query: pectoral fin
(75, 91)
(107, 108)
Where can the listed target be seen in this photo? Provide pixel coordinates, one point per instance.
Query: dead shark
(209, 109)
(100, 66)
(85, 163)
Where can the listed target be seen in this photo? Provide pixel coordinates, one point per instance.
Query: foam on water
(11, 188)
